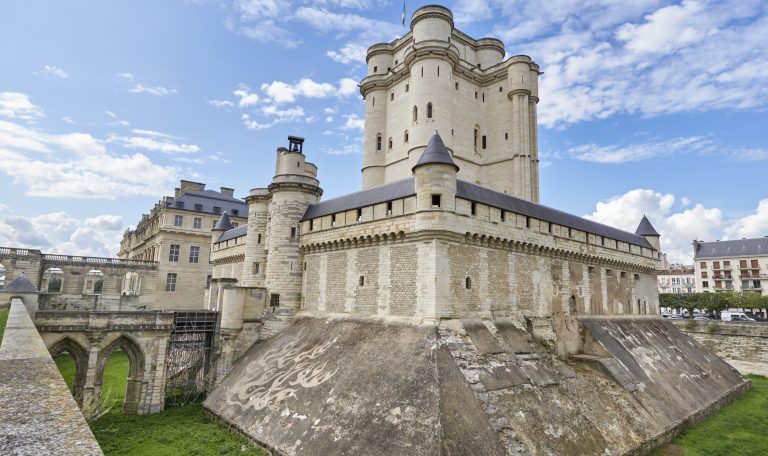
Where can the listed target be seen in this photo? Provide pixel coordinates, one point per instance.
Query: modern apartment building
(677, 280)
(177, 234)
(739, 265)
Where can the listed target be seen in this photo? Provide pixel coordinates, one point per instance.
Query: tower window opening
(475, 94)
(378, 141)
(422, 72)
(456, 85)
(396, 62)
(484, 142)
(475, 138)
(483, 97)
(359, 215)
(389, 207)
(502, 215)
(479, 65)
(468, 283)
(473, 208)
(311, 224)
(506, 136)
(527, 222)
(438, 71)
(390, 143)
(415, 113)
(274, 300)
(435, 200)
(361, 281)
(392, 96)
(373, 101)
(429, 110)
(333, 220)
(293, 232)
(375, 69)
(405, 137)
(407, 88)
(500, 89)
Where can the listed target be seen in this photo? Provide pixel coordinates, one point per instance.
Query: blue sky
(648, 107)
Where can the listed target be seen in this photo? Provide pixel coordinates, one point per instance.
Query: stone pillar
(91, 392)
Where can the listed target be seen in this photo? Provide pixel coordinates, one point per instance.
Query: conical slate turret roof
(21, 284)
(223, 224)
(645, 228)
(435, 152)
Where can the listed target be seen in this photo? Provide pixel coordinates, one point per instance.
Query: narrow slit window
(359, 215)
(473, 208)
(333, 220)
(389, 207)
(468, 283)
(361, 281)
(429, 110)
(484, 142)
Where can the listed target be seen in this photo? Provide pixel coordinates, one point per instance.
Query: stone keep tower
(436, 77)
(293, 189)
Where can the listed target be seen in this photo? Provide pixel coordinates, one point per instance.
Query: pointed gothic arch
(80, 356)
(136, 361)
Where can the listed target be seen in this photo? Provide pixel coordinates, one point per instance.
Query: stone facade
(437, 78)
(743, 345)
(176, 234)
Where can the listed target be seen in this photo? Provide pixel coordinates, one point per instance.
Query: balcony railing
(96, 260)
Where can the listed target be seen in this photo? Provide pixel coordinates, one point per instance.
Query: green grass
(3, 320)
(177, 431)
(738, 429)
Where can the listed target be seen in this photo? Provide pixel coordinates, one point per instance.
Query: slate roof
(224, 223)
(736, 248)
(21, 284)
(209, 199)
(472, 192)
(645, 228)
(435, 152)
(241, 230)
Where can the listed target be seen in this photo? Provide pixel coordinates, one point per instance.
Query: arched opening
(53, 280)
(378, 141)
(2, 276)
(119, 376)
(415, 113)
(572, 305)
(94, 282)
(72, 361)
(429, 110)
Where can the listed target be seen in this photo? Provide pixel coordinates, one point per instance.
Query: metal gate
(188, 359)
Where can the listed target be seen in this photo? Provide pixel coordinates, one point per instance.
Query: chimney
(230, 192)
(176, 193)
(189, 186)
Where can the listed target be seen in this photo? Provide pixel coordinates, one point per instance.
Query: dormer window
(235, 211)
(198, 207)
(180, 204)
(216, 210)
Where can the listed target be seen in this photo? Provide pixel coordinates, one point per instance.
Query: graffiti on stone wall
(280, 373)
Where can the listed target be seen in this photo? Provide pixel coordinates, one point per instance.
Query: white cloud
(638, 152)
(125, 76)
(76, 165)
(350, 53)
(347, 87)
(246, 97)
(354, 122)
(50, 70)
(297, 112)
(221, 103)
(680, 224)
(152, 133)
(152, 90)
(17, 106)
(602, 58)
(62, 233)
(283, 92)
(154, 141)
(68, 120)
(111, 114)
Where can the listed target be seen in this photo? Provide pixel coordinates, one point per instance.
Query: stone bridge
(743, 344)
(92, 337)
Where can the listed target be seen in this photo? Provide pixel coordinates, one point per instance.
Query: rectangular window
(392, 96)
(473, 209)
(213, 224)
(359, 215)
(293, 232)
(754, 264)
(407, 87)
(198, 207)
(637, 276)
(716, 265)
(705, 284)
(197, 223)
(216, 210)
(484, 143)
(703, 274)
(389, 208)
(703, 265)
(255, 268)
(311, 224)
(435, 200)
(173, 254)
(274, 300)
(170, 282)
(178, 220)
(502, 215)
(333, 220)
(194, 254)
(258, 239)
(235, 211)
(235, 224)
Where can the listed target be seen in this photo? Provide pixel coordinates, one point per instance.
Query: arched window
(468, 283)
(2, 276)
(415, 113)
(405, 137)
(94, 282)
(52, 280)
(378, 141)
(429, 110)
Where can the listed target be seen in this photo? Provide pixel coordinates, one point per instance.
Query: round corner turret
(432, 23)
